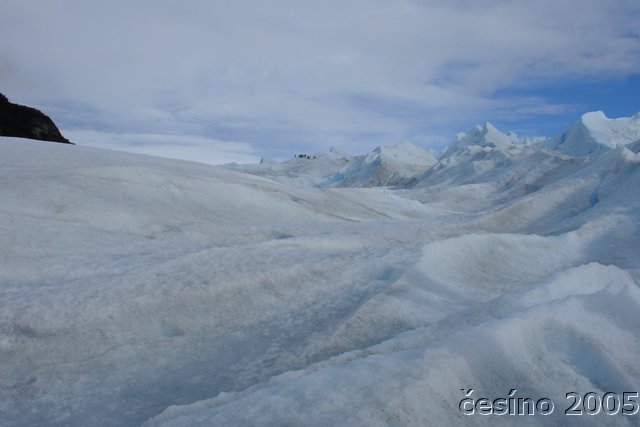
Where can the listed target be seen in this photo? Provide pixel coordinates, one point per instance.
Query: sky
(231, 81)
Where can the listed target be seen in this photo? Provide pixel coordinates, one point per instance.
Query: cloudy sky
(220, 81)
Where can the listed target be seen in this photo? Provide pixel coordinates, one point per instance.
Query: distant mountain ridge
(27, 122)
(481, 155)
(387, 165)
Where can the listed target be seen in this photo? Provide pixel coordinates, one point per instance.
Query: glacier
(367, 290)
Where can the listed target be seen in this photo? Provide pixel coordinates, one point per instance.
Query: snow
(544, 347)
(483, 137)
(300, 172)
(137, 290)
(594, 133)
(385, 166)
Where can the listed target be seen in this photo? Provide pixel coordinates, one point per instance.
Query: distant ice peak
(485, 136)
(595, 133)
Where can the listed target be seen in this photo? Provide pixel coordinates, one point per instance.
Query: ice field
(366, 290)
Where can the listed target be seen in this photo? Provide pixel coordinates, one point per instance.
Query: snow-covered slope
(484, 309)
(129, 283)
(306, 170)
(137, 290)
(478, 166)
(385, 166)
(594, 133)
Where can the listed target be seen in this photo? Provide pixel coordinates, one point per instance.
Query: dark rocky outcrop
(26, 122)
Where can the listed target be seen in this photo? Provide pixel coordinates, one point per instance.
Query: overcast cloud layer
(244, 78)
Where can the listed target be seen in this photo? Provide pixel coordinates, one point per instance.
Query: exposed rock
(26, 122)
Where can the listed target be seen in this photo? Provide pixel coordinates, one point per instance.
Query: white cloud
(184, 147)
(315, 73)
